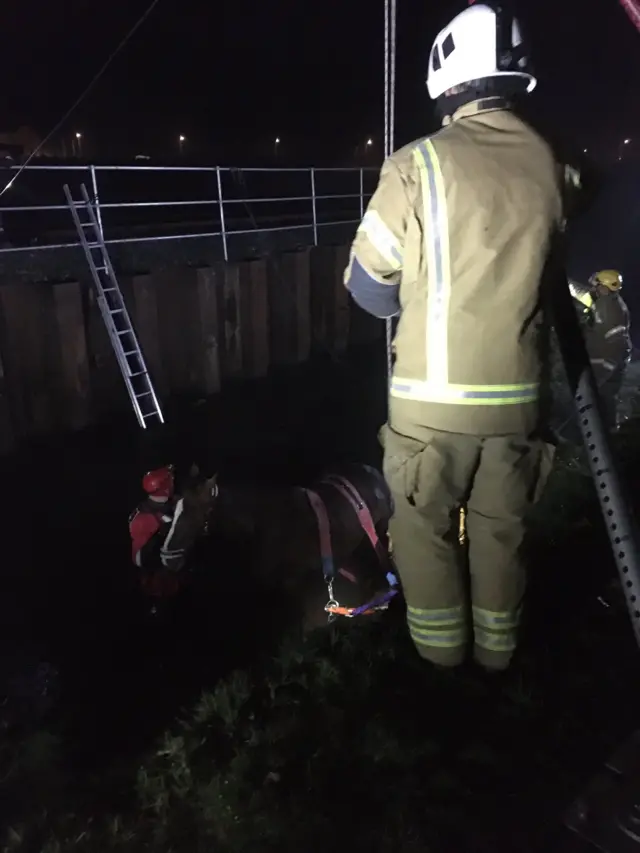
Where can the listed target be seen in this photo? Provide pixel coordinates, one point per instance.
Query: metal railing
(312, 198)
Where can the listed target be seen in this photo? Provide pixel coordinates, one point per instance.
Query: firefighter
(454, 241)
(151, 527)
(605, 323)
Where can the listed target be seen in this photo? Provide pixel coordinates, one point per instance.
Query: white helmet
(478, 43)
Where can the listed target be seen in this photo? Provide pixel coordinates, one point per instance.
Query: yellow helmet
(611, 279)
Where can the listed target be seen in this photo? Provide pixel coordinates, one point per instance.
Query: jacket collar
(482, 105)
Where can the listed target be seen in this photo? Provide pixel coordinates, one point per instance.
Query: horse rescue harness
(350, 493)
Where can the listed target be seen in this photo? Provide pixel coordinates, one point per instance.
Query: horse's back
(371, 487)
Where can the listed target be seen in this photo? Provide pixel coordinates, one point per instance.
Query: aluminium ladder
(114, 311)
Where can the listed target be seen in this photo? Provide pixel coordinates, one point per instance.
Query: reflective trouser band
(443, 628)
(603, 362)
(382, 238)
(470, 395)
(617, 330)
(496, 631)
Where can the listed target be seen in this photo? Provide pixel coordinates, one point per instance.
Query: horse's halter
(215, 491)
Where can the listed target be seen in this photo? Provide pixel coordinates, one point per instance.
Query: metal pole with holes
(361, 192)
(313, 203)
(221, 206)
(618, 520)
(96, 201)
(96, 206)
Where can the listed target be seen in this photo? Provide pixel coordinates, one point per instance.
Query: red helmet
(159, 483)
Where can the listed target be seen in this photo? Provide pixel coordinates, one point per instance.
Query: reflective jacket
(455, 240)
(606, 325)
(152, 527)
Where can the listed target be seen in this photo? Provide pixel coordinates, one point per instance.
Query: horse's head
(198, 496)
(190, 521)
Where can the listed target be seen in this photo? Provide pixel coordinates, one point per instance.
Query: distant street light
(369, 143)
(78, 144)
(627, 141)
(275, 145)
(181, 140)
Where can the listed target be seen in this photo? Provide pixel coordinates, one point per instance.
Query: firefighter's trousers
(497, 478)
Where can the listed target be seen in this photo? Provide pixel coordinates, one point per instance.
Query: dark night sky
(236, 73)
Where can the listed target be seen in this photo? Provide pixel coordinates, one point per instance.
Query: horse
(303, 542)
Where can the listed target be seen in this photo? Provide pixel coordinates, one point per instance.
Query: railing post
(221, 205)
(361, 192)
(313, 201)
(94, 186)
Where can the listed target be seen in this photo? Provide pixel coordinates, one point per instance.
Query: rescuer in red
(152, 523)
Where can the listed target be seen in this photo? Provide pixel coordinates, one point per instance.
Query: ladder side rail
(107, 316)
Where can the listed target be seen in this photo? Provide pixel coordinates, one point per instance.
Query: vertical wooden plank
(176, 290)
(108, 392)
(208, 281)
(321, 283)
(7, 433)
(27, 320)
(281, 309)
(73, 380)
(254, 317)
(302, 279)
(145, 310)
(341, 300)
(14, 386)
(232, 320)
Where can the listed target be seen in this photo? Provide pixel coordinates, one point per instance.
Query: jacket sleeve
(375, 264)
(617, 337)
(142, 529)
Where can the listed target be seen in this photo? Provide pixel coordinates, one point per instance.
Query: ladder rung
(132, 352)
(116, 311)
(101, 269)
(108, 289)
(139, 373)
(126, 332)
(143, 394)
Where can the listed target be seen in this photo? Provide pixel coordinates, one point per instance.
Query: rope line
(83, 94)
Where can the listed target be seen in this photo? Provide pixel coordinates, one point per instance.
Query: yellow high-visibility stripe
(382, 238)
(441, 616)
(440, 627)
(436, 387)
(496, 630)
(505, 641)
(438, 639)
(436, 235)
(470, 395)
(496, 619)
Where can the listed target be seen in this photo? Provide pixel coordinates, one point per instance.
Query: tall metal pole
(221, 207)
(621, 527)
(313, 202)
(389, 108)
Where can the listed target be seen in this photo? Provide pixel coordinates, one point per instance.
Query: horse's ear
(194, 471)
